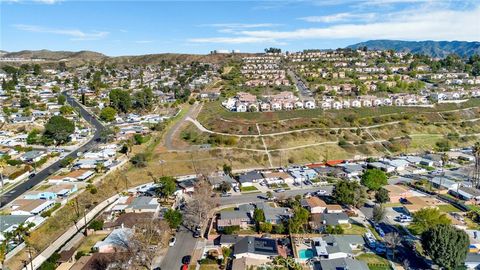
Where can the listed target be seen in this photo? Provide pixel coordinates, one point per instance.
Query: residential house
(33, 156)
(398, 193)
(77, 175)
(274, 215)
(143, 204)
(337, 246)
(30, 207)
(241, 216)
(114, 241)
(51, 192)
(255, 247)
(314, 204)
(340, 264)
(247, 179)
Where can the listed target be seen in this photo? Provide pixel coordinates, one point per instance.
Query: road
(184, 246)
(170, 136)
(303, 90)
(254, 197)
(54, 167)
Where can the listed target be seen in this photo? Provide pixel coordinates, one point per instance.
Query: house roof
(396, 190)
(250, 177)
(129, 220)
(315, 202)
(333, 218)
(342, 263)
(7, 221)
(144, 202)
(256, 245)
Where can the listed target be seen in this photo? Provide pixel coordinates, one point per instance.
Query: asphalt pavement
(256, 197)
(184, 246)
(54, 167)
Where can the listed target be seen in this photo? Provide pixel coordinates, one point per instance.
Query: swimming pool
(305, 254)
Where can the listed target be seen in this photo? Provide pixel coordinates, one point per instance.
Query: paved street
(54, 167)
(184, 246)
(303, 90)
(254, 197)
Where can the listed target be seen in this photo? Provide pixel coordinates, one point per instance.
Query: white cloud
(419, 24)
(340, 17)
(73, 33)
(232, 40)
(48, 2)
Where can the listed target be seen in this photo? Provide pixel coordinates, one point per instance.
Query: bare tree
(141, 244)
(392, 239)
(476, 170)
(201, 203)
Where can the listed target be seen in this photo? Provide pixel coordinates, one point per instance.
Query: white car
(321, 192)
(172, 241)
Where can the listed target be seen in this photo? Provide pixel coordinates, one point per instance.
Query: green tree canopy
(108, 114)
(446, 245)
(427, 218)
(374, 179)
(120, 100)
(58, 129)
(167, 185)
(382, 196)
(349, 192)
(173, 217)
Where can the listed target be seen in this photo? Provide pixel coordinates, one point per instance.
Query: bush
(51, 210)
(96, 225)
(139, 160)
(231, 229)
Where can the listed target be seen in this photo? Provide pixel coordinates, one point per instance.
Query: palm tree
(476, 172)
(3, 165)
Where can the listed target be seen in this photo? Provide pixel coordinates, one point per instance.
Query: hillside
(433, 48)
(82, 57)
(56, 55)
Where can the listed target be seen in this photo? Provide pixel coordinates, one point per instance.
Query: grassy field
(374, 261)
(89, 242)
(248, 189)
(353, 229)
(448, 208)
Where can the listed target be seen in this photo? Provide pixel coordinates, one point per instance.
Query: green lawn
(353, 229)
(374, 261)
(90, 241)
(248, 189)
(448, 208)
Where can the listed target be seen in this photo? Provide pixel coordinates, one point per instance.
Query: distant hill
(82, 57)
(56, 55)
(433, 48)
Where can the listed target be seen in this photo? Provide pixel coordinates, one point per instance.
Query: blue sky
(141, 27)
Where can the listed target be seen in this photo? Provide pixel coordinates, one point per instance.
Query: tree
(120, 100)
(37, 69)
(139, 160)
(24, 102)
(225, 187)
(446, 245)
(200, 205)
(382, 196)
(66, 110)
(378, 213)
(96, 225)
(374, 179)
(108, 114)
(58, 129)
(349, 192)
(3, 165)
(227, 169)
(61, 99)
(392, 239)
(167, 186)
(173, 217)
(266, 227)
(258, 215)
(427, 218)
(299, 220)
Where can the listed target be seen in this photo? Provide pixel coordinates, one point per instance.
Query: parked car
(172, 241)
(226, 195)
(321, 192)
(236, 189)
(186, 259)
(280, 190)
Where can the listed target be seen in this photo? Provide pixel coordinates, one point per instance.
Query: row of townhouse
(245, 102)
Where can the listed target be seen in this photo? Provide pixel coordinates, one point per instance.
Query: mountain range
(432, 48)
